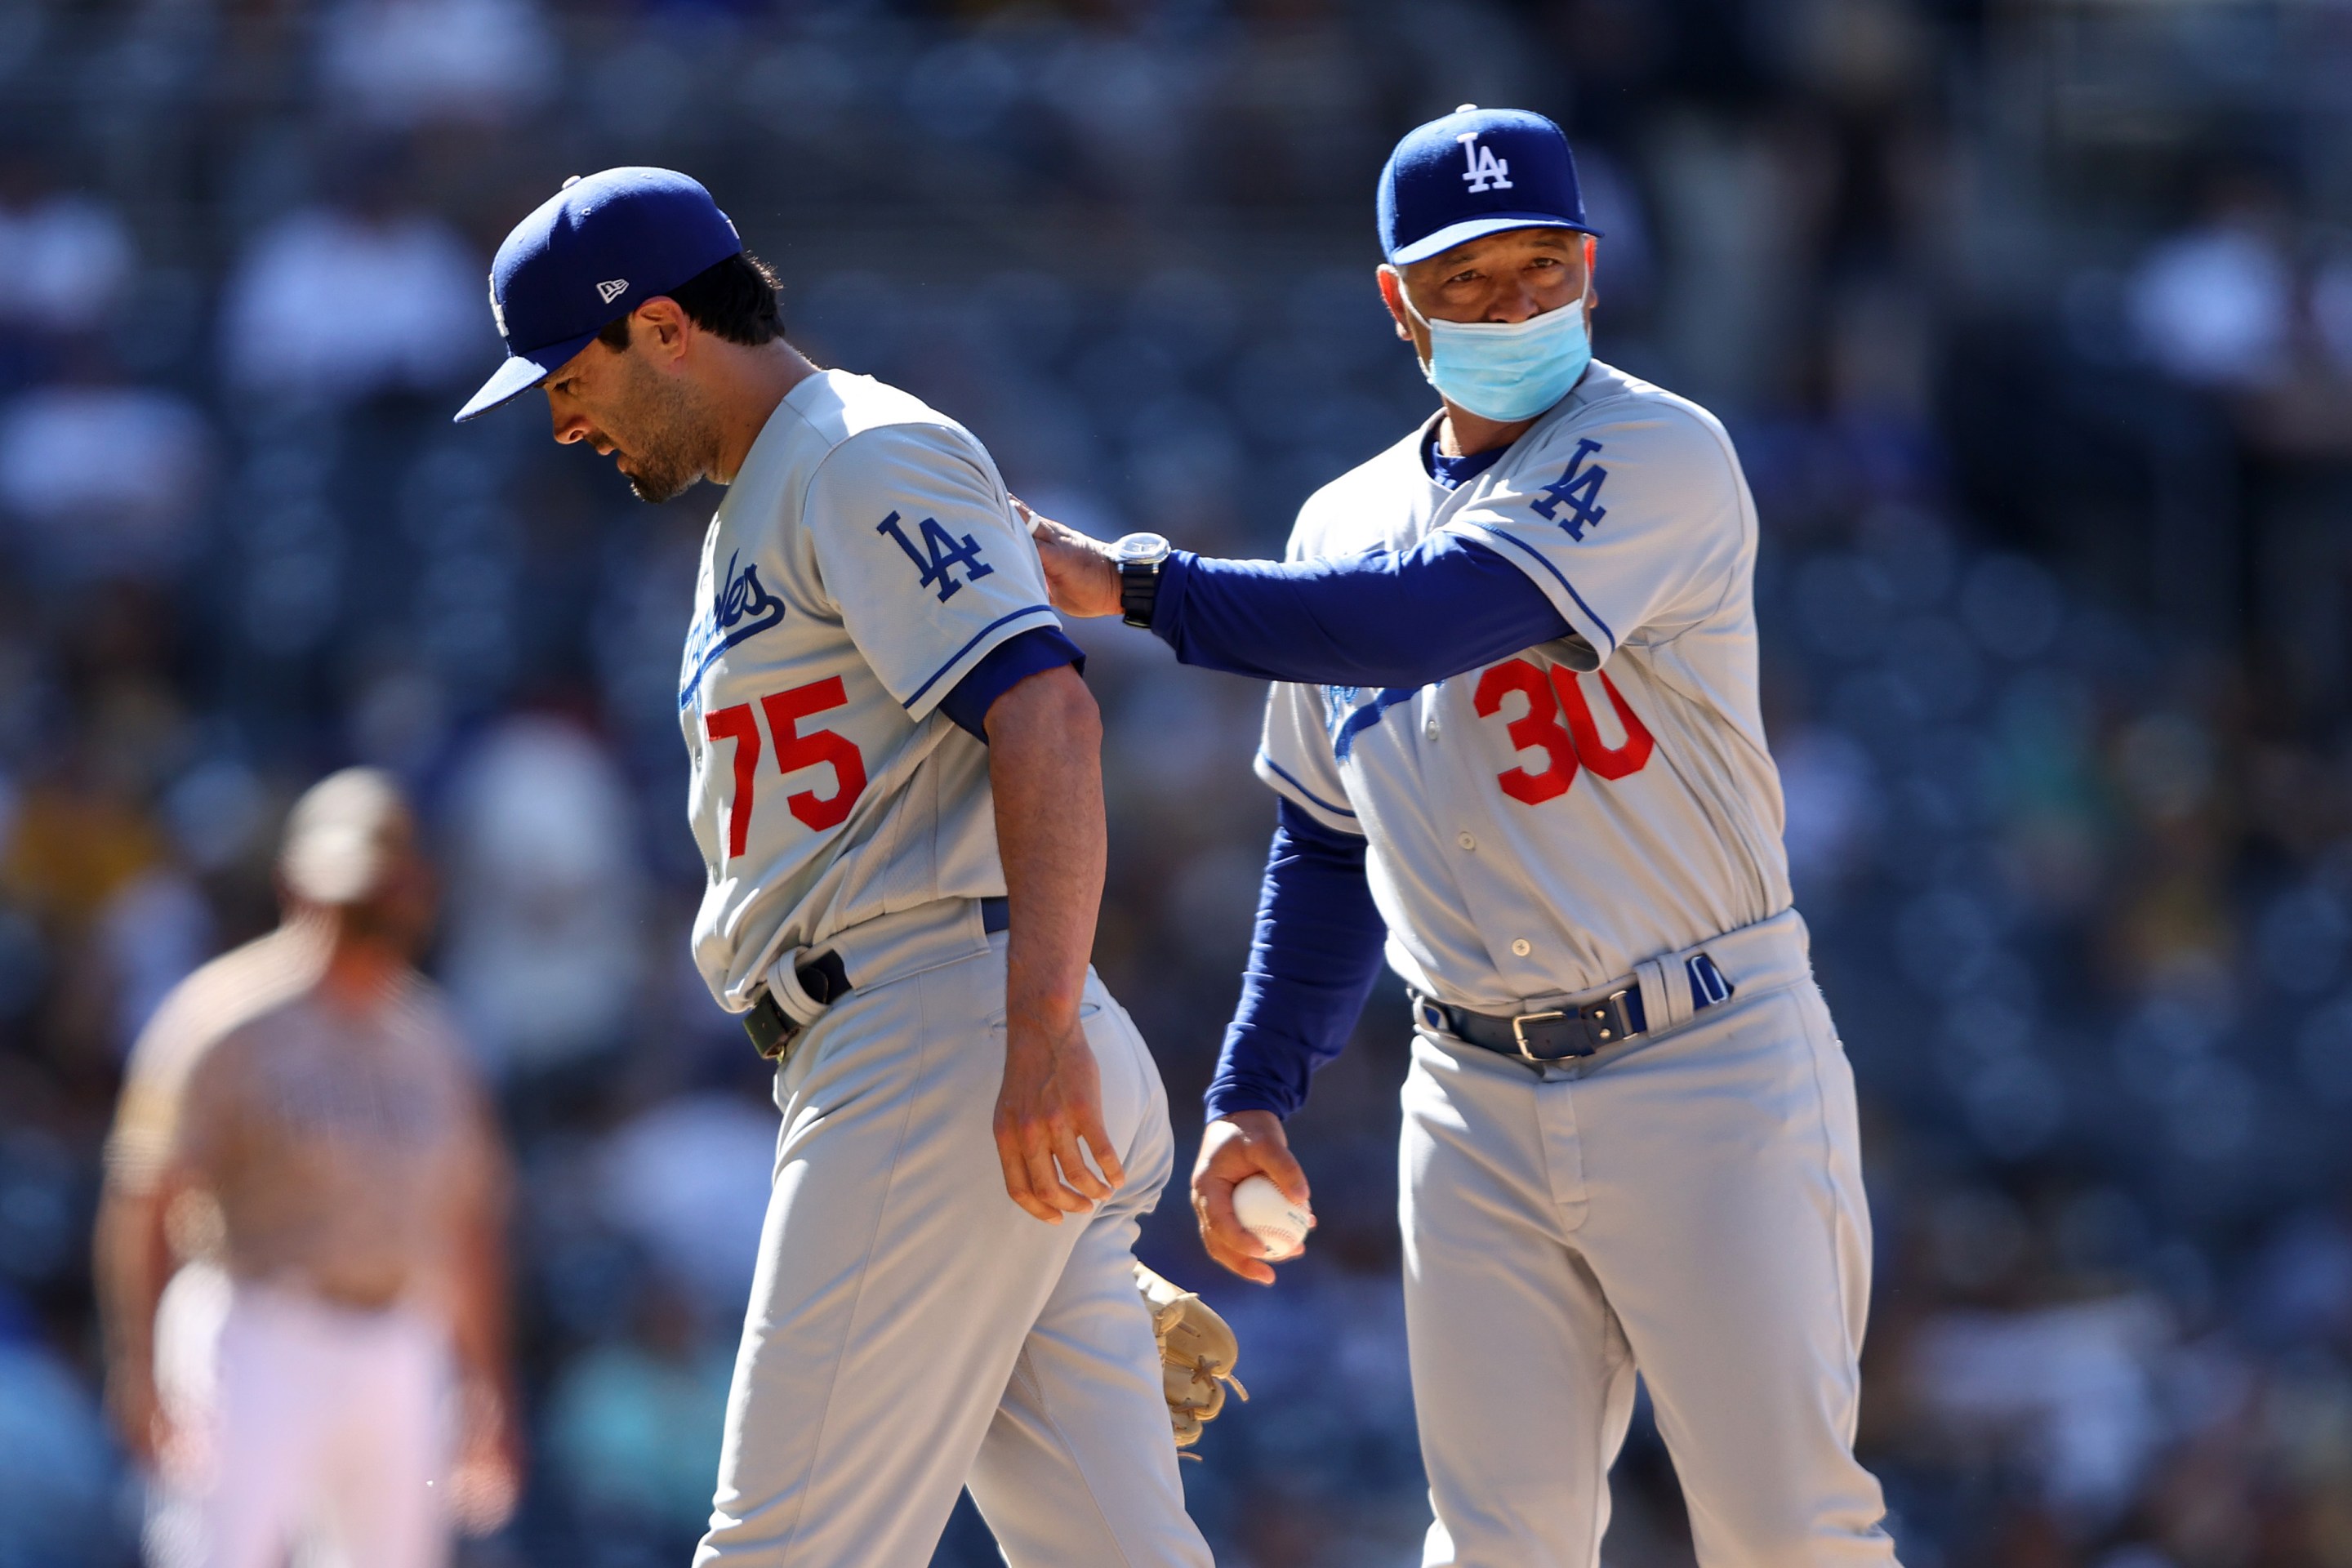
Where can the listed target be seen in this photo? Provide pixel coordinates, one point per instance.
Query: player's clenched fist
(1050, 1104)
(1232, 1149)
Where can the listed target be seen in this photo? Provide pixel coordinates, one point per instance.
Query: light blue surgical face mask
(1507, 370)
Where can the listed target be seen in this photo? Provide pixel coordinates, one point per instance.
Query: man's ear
(1393, 295)
(659, 328)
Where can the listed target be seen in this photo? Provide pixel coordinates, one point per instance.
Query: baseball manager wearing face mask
(1518, 746)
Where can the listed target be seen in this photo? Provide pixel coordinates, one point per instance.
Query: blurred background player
(301, 1139)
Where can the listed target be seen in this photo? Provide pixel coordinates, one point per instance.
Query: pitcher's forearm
(1045, 765)
(1044, 738)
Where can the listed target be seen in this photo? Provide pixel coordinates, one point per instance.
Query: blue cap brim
(521, 374)
(1446, 238)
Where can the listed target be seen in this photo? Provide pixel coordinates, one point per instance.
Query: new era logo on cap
(559, 275)
(1477, 171)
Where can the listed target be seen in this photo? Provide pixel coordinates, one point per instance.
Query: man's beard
(662, 462)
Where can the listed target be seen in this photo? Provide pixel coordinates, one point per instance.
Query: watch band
(1139, 591)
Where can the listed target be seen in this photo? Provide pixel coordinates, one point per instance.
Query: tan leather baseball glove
(1197, 1351)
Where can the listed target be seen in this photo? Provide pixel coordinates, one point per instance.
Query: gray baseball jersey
(1545, 824)
(864, 559)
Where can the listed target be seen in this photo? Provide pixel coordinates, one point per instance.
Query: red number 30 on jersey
(1554, 694)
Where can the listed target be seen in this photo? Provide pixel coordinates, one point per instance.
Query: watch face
(1142, 547)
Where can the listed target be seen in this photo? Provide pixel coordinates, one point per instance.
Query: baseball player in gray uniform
(1518, 746)
(897, 791)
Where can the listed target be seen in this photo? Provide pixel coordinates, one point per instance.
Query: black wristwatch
(1139, 556)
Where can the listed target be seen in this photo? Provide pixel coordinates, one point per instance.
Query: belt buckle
(1520, 1032)
(772, 1029)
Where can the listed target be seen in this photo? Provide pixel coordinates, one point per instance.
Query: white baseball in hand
(1280, 1224)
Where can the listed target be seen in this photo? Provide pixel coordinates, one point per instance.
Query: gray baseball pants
(912, 1332)
(1689, 1205)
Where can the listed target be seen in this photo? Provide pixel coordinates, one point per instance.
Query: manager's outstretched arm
(1045, 765)
(1380, 618)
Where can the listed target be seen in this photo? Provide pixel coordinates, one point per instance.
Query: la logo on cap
(1485, 171)
(612, 288)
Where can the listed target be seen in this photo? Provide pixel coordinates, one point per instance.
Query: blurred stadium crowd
(2034, 322)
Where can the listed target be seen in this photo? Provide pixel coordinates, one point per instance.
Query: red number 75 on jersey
(1554, 694)
(794, 751)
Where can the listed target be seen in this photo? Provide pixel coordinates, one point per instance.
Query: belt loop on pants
(1669, 1004)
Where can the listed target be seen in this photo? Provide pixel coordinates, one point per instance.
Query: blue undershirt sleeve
(1007, 665)
(1313, 960)
(1383, 617)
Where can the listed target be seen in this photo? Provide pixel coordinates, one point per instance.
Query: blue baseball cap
(1477, 171)
(592, 253)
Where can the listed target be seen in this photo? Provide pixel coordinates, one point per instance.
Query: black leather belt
(826, 981)
(1562, 1035)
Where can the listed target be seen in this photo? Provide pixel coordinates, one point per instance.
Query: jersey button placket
(1465, 840)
